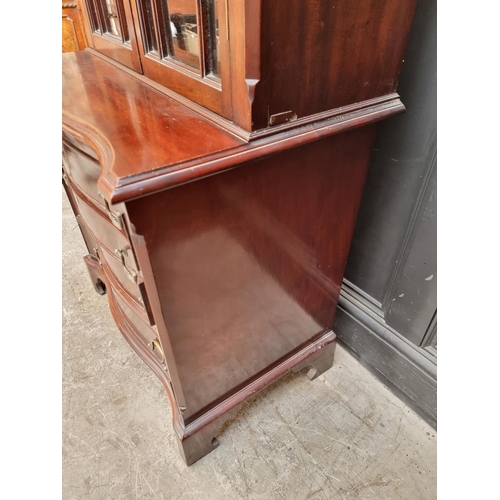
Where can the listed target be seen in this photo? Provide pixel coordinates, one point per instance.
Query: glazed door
(184, 46)
(111, 31)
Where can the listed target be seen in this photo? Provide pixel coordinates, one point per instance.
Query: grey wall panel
(404, 149)
(387, 312)
(414, 302)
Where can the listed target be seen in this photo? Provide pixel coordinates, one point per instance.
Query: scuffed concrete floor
(341, 436)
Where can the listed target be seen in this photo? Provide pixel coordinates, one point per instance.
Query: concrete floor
(341, 436)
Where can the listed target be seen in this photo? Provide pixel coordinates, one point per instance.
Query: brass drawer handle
(156, 346)
(116, 219)
(121, 253)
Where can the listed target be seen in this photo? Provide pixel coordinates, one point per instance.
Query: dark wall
(387, 312)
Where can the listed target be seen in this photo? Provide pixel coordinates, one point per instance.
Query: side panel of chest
(248, 263)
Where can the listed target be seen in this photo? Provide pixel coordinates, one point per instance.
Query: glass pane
(184, 28)
(94, 16)
(213, 40)
(152, 45)
(111, 19)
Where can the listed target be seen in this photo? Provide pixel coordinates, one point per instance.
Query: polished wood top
(142, 129)
(146, 142)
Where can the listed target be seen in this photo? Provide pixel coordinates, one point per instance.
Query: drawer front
(135, 291)
(83, 171)
(88, 237)
(108, 235)
(113, 249)
(78, 145)
(145, 333)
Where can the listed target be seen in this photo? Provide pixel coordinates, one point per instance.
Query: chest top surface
(134, 129)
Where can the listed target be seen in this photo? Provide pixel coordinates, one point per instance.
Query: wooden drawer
(83, 170)
(145, 334)
(107, 234)
(134, 290)
(88, 237)
(72, 141)
(114, 250)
